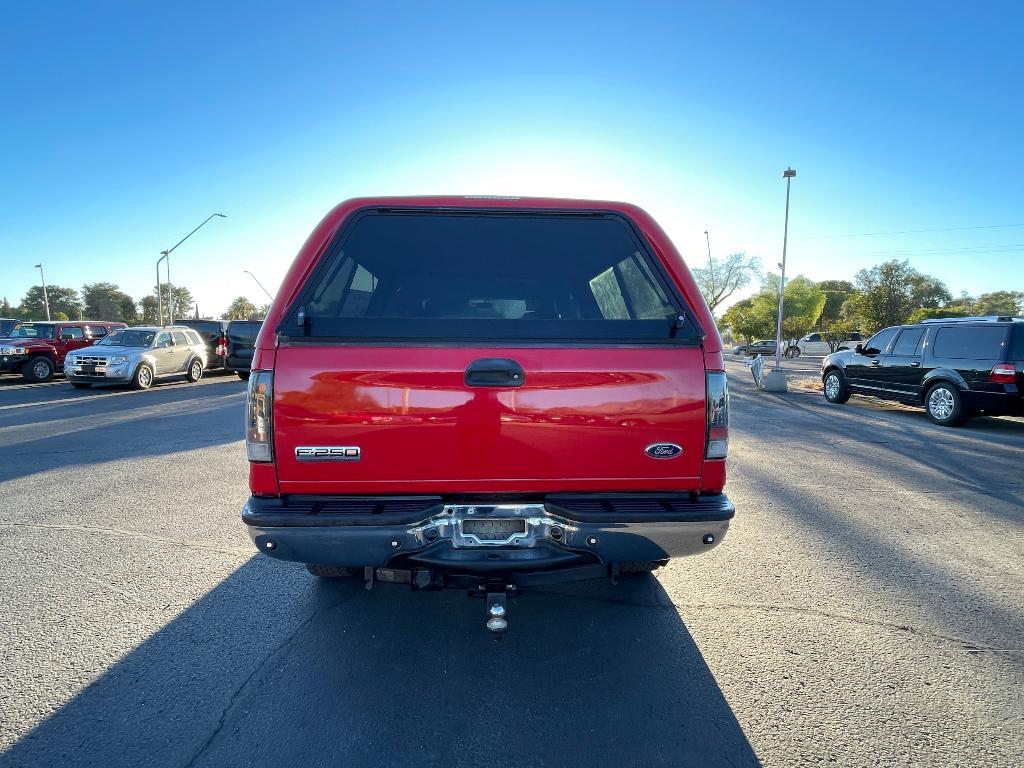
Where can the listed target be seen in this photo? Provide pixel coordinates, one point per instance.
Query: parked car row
(955, 368)
(811, 344)
(100, 352)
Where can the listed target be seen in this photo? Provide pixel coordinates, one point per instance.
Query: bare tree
(723, 277)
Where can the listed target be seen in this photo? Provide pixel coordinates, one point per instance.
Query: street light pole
(250, 274)
(788, 175)
(46, 298)
(711, 266)
(159, 293)
(170, 288)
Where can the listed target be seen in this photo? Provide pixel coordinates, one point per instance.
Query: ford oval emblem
(663, 450)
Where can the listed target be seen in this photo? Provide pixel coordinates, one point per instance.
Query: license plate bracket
(494, 529)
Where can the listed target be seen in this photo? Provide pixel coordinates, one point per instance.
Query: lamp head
(789, 173)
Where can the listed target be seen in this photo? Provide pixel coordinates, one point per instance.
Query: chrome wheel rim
(145, 377)
(832, 385)
(41, 369)
(940, 403)
(197, 370)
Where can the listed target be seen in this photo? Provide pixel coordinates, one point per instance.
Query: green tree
(937, 313)
(129, 311)
(6, 310)
(149, 310)
(723, 277)
(999, 303)
(747, 321)
(239, 309)
(928, 292)
(836, 293)
(263, 311)
(837, 332)
(888, 293)
(182, 298)
(104, 301)
(801, 309)
(62, 300)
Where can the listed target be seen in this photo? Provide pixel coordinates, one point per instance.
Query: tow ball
(496, 601)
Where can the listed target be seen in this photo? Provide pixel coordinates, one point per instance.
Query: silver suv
(138, 356)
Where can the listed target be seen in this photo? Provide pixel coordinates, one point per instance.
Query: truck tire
(944, 405)
(38, 369)
(143, 378)
(243, 375)
(835, 386)
(328, 571)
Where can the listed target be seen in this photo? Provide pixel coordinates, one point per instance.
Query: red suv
(37, 350)
(487, 393)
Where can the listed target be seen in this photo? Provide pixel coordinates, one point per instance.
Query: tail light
(718, 416)
(1003, 373)
(222, 347)
(259, 417)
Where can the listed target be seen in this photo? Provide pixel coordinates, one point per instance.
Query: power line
(967, 249)
(912, 231)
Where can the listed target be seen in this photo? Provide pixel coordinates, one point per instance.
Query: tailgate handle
(494, 372)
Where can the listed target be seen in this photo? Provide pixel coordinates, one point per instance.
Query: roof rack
(979, 319)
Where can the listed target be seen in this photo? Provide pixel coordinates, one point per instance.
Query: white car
(815, 344)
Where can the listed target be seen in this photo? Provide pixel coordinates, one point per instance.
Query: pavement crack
(249, 678)
(970, 646)
(967, 645)
(130, 534)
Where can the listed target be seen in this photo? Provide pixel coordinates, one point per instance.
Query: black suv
(241, 345)
(215, 334)
(956, 368)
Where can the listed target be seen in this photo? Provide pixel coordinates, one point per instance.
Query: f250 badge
(663, 450)
(328, 453)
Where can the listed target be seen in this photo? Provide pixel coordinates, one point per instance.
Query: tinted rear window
(244, 332)
(1017, 346)
(209, 331)
(970, 342)
(488, 276)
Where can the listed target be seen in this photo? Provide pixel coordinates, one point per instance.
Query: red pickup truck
(37, 350)
(487, 393)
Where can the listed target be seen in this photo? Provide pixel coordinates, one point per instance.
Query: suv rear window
(488, 276)
(244, 331)
(970, 342)
(1017, 345)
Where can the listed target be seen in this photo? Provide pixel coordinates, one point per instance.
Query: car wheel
(836, 389)
(143, 378)
(793, 352)
(945, 406)
(37, 369)
(328, 571)
(243, 375)
(80, 385)
(195, 371)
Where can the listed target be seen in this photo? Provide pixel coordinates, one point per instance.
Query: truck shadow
(274, 668)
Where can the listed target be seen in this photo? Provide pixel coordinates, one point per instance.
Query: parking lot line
(79, 399)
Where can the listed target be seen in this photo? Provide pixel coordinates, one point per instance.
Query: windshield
(33, 331)
(128, 338)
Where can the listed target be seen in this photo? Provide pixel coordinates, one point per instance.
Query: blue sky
(126, 124)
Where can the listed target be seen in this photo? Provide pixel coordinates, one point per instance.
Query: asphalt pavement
(866, 608)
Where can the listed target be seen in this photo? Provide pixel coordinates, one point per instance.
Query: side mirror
(859, 349)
